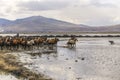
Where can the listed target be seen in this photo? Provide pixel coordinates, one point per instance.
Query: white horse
(72, 42)
(30, 44)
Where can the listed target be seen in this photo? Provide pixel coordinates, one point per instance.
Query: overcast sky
(89, 12)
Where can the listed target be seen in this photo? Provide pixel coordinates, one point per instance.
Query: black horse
(111, 42)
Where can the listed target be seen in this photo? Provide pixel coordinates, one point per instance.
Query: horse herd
(25, 43)
(29, 43)
(33, 42)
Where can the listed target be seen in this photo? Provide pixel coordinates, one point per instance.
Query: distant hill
(43, 24)
(4, 22)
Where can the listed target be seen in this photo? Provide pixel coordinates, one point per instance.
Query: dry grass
(8, 64)
(4, 63)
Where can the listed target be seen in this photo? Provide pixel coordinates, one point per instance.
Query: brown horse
(39, 42)
(52, 41)
(7, 44)
(23, 44)
(15, 43)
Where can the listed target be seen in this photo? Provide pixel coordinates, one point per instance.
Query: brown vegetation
(9, 64)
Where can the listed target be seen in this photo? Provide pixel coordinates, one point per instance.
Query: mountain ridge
(43, 24)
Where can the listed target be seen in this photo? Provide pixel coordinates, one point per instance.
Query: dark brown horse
(111, 42)
(7, 43)
(1, 44)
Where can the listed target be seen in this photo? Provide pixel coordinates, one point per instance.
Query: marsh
(91, 59)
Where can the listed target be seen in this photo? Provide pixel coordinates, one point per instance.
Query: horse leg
(25, 47)
(7, 47)
(14, 47)
(0, 47)
(22, 47)
(28, 47)
(10, 46)
(18, 46)
(51, 47)
(73, 45)
(38, 45)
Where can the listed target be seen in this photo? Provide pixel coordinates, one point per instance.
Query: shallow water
(92, 59)
(54, 34)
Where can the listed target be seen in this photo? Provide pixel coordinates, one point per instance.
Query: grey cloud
(8, 10)
(90, 12)
(3, 14)
(43, 5)
(100, 22)
(92, 15)
(99, 3)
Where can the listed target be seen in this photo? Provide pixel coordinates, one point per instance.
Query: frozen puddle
(92, 59)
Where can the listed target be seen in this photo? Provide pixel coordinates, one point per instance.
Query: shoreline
(9, 64)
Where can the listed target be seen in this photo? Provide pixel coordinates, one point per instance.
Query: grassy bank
(9, 64)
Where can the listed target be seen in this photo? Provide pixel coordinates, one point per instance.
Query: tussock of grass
(4, 64)
(8, 64)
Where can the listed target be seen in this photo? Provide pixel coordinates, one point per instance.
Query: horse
(1, 44)
(39, 41)
(52, 41)
(30, 44)
(7, 44)
(15, 43)
(111, 42)
(23, 44)
(72, 42)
